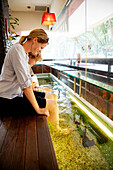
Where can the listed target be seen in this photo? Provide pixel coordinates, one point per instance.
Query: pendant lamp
(48, 18)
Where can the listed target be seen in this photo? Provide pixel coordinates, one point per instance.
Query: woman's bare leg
(52, 107)
(53, 119)
(55, 96)
(51, 96)
(48, 94)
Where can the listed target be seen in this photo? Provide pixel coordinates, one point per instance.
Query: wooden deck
(25, 143)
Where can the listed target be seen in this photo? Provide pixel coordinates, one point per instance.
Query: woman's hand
(43, 111)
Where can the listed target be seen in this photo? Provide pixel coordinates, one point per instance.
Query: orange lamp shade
(48, 19)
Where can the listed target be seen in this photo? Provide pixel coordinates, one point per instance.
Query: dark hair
(37, 57)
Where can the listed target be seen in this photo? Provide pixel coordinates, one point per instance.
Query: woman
(16, 87)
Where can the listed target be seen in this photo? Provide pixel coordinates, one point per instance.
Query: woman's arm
(31, 97)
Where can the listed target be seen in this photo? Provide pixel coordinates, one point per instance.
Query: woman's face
(37, 47)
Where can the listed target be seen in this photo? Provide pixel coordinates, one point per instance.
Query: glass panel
(100, 99)
(99, 81)
(82, 39)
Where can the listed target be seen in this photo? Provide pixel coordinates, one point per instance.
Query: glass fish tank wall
(80, 144)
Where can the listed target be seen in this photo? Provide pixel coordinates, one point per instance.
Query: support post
(74, 85)
(80, 84)
(85, 89)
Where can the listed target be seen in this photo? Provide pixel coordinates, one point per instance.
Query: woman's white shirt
(15, 74)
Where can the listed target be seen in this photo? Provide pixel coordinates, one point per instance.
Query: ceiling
(22, 5)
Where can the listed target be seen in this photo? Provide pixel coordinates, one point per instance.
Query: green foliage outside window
(13, 22)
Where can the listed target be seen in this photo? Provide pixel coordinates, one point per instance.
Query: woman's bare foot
(57, 129)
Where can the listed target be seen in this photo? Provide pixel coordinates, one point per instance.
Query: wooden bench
(25, 143)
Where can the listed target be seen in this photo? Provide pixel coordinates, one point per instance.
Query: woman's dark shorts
(21, 105)
(40, 97)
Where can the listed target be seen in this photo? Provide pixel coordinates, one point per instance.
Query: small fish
(86, 142)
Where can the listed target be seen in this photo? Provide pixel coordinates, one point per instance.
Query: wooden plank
(8, 145)
(26, 144)
(31, 162)
(3, 130)
(47, 158)
(0, 120)
(18, 159)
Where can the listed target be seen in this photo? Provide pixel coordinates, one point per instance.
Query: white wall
(77, 21)
(28, 20)
(57, 6)
(98, 11)
(31, 20)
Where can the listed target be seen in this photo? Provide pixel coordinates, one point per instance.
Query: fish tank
(86, 146)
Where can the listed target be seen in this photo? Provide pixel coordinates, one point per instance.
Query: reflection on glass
(86, 47)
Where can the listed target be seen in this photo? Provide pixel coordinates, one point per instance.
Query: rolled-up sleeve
(19, 62)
